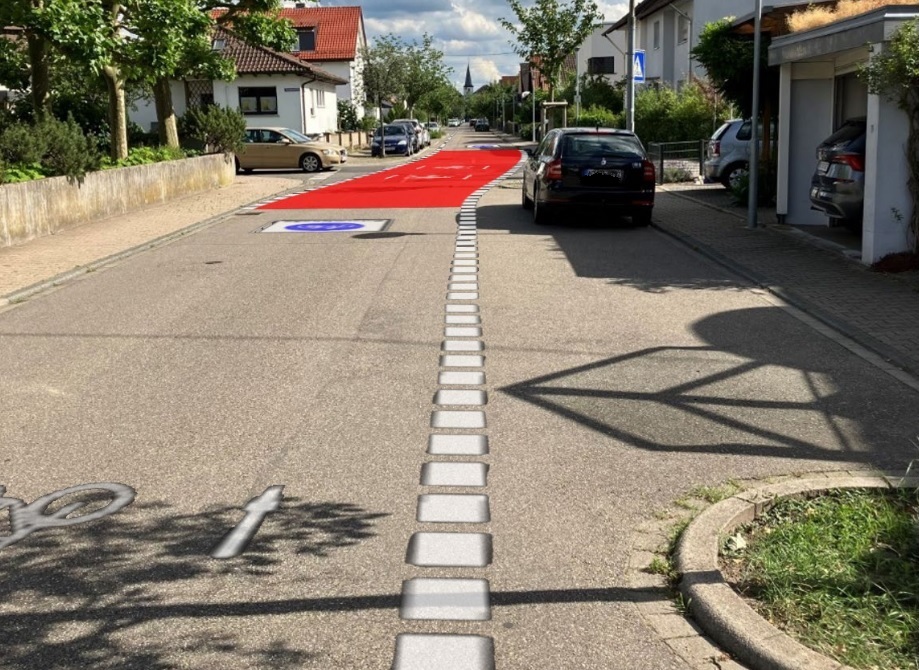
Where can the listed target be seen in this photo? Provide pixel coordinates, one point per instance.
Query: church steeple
(467, 87)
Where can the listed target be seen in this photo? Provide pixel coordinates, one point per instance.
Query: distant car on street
(270, 147)
(453, 123)
(481, 125)
(579, 168)
(432, 126)
(397, 138)
(838, 184)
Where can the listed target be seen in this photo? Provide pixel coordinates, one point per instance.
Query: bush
(368, 123)
(220, 129)
(48, 149)
(663, 115)
(601, 117)
(347, 115)
(675, 175)
(145, 156)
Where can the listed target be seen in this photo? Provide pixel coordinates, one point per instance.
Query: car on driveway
(838, 184)
(268, 147)
(398, 138)
(727, 157)
(598, 168)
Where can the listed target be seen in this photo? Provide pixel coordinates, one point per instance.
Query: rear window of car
(850, 130)
(721, 131)
(600, 144)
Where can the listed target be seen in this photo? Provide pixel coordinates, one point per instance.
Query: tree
(25, 14)
(549, 32)
(894, 73)
(424, 71)
(383, 72)
(442, 101)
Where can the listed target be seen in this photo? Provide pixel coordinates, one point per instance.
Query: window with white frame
(657, 34)
(319, 98)
(683, 26)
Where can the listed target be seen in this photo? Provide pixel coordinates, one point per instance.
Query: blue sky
(465, 30)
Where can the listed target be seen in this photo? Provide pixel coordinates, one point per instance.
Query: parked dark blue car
(397, 140)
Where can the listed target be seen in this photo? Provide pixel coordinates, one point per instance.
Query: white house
(603, 53)
(271, 89)
(332, 39)
(818, 90)
(667, 30)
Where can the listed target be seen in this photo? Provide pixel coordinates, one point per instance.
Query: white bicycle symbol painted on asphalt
(25, 519)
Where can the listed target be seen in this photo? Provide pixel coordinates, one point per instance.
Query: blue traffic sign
(638, 72)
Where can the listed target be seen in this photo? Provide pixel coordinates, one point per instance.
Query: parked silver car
(727, 158)
(424, 137)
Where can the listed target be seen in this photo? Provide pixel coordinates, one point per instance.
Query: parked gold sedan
(279, 148)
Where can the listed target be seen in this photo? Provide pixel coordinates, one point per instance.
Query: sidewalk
(878, 311)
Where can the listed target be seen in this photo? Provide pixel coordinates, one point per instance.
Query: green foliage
(368, 123)
(347, 115)
(14, 174)
(145, 156)
(425, 71)
(219, 129)
(663, 115)
(596, 116)
(549, 31)
(49, 148)
(398, 111)
(14, 65)
(384, 70)
(596, 91)
(841, 573)
(728, 59)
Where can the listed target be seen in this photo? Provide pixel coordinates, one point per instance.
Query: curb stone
(721, 617)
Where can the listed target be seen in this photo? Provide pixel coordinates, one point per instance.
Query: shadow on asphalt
(82, 597)
(760, 384)
(603, 246)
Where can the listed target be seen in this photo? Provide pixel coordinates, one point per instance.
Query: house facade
(332, 39)
(819, 89)
(271, 89)
(603, 54)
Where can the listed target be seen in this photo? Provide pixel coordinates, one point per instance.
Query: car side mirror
(286, 141)
(529, 152)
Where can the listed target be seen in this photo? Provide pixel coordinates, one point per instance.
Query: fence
(688, 156)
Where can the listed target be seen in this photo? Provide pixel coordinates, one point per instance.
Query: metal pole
(753, 190)
(630, 117)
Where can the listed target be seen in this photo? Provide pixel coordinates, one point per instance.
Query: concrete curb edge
(720, 612)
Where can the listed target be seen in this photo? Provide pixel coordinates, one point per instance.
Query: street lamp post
(753, 190)
(630, 117)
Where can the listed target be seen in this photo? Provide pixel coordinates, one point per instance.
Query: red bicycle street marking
(444, 179)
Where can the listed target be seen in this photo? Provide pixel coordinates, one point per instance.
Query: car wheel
(734, 174)
(642, 217)
(540, 215)
(525, 201)
(238, 168)
(310, 163)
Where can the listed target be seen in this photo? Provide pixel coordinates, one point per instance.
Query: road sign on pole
(639, 70)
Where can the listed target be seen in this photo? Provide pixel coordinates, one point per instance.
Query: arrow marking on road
(256, 511)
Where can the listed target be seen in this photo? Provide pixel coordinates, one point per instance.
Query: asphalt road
(622, 370)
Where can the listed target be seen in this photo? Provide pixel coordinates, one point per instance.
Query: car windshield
(295, 135)
(390, 130)
(583, 146)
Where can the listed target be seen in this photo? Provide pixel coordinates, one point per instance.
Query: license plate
(823, 166)
(595, 172)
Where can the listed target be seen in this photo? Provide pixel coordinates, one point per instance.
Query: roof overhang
(870, 28)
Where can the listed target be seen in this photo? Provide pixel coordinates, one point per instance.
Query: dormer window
(306, 39)
(218, 45)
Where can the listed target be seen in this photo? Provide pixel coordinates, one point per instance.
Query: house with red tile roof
(270, 88)
(332, 38)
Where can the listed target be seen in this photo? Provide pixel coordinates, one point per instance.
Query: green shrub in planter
(599, 117)
(48, 149)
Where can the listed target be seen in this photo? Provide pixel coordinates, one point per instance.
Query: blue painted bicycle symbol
(25, 519)
(325, 227)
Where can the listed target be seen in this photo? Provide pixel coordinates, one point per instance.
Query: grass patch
(839, 572)
(714, 494)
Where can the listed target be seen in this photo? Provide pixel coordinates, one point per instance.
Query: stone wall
(45, 206)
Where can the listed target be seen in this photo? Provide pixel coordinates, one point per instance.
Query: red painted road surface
(443, 180)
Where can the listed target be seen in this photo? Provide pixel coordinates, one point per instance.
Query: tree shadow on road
(90, 595)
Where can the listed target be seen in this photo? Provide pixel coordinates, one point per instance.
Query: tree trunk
(165, 113)
(912, 163)
(39, 75)
(117, 112)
